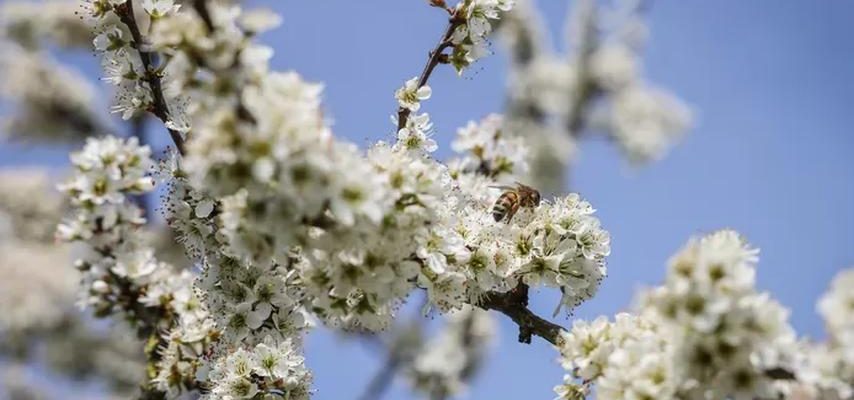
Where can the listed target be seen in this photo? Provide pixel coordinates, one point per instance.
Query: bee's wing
(523, 186)
(503, 187)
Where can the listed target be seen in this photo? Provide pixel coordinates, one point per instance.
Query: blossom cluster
(626, 359)
(827, 369)
(245, 302)
(557, 244)
(705, 333)
(30, 24)
(470, 36)
(356, 232)
(128, 64)
(120, 273)
(488, 150)
(28, 268)
(38, 290)
(48, 101)
(358, 237)
(270, 369)
(595, 86)
(295, 201)
(26, 214)
(643, 120)
(248, 282)
(288, 222)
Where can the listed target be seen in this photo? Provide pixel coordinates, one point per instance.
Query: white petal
(424, 92)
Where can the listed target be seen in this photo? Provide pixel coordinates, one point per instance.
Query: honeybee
(512, 199)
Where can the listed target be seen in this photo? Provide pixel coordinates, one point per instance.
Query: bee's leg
(511, 212)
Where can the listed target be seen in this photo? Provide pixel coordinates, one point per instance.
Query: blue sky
(771, 154)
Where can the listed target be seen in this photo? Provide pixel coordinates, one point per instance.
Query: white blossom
(271, 368)
(411, 95)
(37, 290)
(614, 66)
(159, 8)
(646, 121)
(417, 134)
(469, 38)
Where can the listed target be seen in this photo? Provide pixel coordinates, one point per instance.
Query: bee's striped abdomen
(503, 205)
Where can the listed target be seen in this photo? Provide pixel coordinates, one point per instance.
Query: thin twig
(382, 380)
(160, 108)
(404, 341)
(201, 7)
(433, 60)
(80, 122)
(137, 130)
(588, 90)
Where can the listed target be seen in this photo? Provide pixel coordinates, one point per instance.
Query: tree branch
(201, 7)
(588, 89)
(433, 60)
(137, 130)
(514, 304)
(382, 380)
(159, 108)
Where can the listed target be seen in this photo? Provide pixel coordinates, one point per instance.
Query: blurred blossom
(596, 87)
(40, 323)
(28, 211)
(647, 121)
(37, 24)
(48, 101)
(37, 291)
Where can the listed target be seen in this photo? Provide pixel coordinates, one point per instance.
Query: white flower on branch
(488, 150)
(411, 95)
(474, 25)
(159, 8)
(120, 273)
(272, 368)
(417, 134)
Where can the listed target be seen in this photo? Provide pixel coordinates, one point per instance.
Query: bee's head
(536, 197)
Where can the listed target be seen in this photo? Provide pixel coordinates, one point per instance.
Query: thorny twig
(160, 108)
(436, 57)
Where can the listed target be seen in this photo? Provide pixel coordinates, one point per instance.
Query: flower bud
(101, 287)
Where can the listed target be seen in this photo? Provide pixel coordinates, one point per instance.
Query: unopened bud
(101, 287)
(438, 3)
